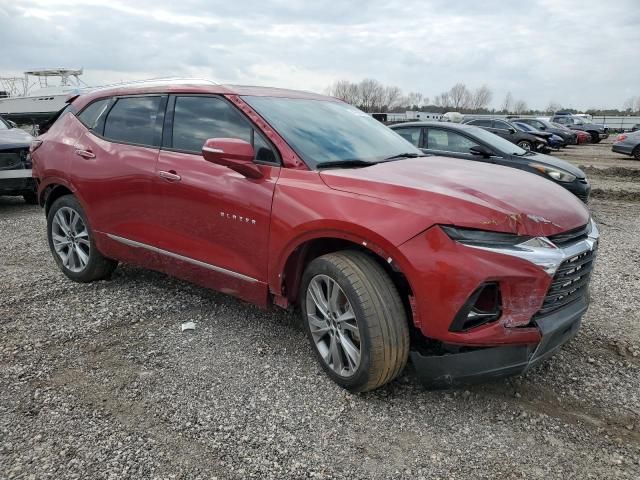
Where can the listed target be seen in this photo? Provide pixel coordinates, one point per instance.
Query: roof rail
(154, 82)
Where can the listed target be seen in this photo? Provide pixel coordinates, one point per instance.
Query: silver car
(629, 144)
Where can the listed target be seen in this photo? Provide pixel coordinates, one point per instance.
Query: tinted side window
(410, 134)
(92, 114)
(447, 141)
(501, 125)
(134, 120)
(196, 119)
(481, 123)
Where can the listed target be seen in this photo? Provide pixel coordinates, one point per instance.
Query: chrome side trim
(133, 243)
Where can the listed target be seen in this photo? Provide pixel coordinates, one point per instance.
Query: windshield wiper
(345, 164)
(405, 155)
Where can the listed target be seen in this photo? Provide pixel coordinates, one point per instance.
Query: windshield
(327, 131)
(496, 142)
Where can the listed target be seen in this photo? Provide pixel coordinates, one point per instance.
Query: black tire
(379, 312)
(526, 144)
(30, 198)
(636, 153)
(97, 267)
(595, 137)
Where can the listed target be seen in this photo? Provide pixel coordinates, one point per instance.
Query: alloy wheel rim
(524, 145)
(70, 239)
(333, 325)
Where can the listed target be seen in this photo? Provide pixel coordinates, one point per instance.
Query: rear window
(92, 114)
(135, 120)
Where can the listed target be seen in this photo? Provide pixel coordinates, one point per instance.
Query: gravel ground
(97, 381)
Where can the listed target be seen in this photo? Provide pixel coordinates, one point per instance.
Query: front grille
(570, 283)
(10, 160)
(570, 237)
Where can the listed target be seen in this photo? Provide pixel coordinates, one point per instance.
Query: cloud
(578, 53)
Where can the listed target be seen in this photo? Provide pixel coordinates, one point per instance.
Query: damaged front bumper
(482, 364)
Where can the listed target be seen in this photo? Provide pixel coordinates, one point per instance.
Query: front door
(216, 221)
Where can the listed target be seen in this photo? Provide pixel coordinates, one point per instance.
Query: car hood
(555, 162)
(467, 194)
(14, 138)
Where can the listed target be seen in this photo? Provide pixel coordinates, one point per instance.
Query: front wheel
(636, 153)
(355, 320)
(72, 245)
(525, 144)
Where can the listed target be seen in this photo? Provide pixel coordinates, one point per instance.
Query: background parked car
(628, 143)
(473, 143)
(636, 127)
(553, 141)
(581, 136)
(509, 132)
(569, 136)
(597, 132)
(15, 162)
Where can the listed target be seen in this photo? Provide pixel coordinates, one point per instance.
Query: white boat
(36, 97)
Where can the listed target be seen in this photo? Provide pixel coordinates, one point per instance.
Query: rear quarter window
(92, 114)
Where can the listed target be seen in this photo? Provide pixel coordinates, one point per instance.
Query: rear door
(503, 129)
(212, 216)
(114, 165)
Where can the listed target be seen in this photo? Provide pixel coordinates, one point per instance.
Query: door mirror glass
(233, 153)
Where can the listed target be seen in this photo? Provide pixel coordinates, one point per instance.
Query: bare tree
(460, 96)
(632, 104)
(344, 90)
(371, 94)
(443, 100)
(553, 107)
(415, 99)
(481, 98)
(520, 107)
(508, 103)
(392, 98)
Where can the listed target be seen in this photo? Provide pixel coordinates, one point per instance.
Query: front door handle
(86, 154)
(171, 176)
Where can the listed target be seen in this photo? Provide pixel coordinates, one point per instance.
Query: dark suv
(15, 162)
(286, 198)
(510, 132)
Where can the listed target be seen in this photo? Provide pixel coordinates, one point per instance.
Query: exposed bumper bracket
(442, 371)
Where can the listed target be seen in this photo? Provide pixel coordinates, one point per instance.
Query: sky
(580, 54)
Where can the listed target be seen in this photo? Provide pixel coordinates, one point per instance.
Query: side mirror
(542, 127)
(12, 124)
(512, 130)
(480, 150)
(233, 153)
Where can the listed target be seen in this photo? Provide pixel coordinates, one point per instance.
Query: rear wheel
(72, 245)
(636, 152)
(355, 320)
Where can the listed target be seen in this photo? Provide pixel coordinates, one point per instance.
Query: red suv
(296, 199)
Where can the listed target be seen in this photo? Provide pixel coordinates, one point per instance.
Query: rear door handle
(86, 154)
(171, 176)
